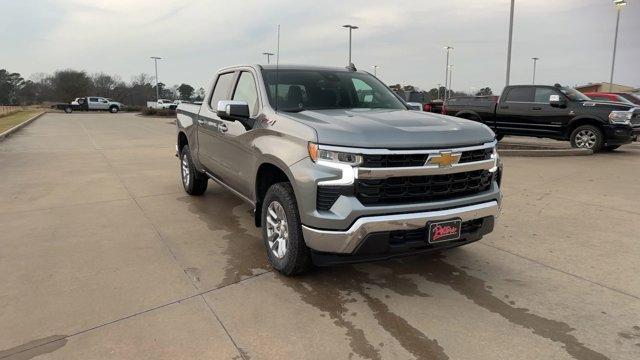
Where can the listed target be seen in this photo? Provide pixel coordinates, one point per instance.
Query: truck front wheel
(114, 109)
(587, 137)
(194, 182)
(282, 231)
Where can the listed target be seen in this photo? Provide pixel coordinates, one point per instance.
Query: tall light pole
(439, 86)
(619, 4)
(510, 39)
(450, 77)
(375, 70)
(535, 60)
(446, 72)
(268, 56)
(155, 60)
(351, 28)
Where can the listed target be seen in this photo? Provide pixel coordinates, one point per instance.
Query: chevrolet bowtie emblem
(444, 159)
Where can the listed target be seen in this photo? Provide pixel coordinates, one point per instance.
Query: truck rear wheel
(587, 137)
(282, 231)
(194, 182)
(68, 110)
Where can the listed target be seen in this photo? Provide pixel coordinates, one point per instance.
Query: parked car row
(554, 112)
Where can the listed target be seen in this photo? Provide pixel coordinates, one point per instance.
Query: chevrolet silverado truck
(336, 167)
(554, 112)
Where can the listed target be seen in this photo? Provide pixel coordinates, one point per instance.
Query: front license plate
(443, 231)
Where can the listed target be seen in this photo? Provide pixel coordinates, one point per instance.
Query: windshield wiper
(293, 110)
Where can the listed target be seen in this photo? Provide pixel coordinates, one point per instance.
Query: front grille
(415, 189)
(408, 160)
(326, 196)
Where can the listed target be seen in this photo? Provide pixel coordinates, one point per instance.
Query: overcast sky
(573, 38)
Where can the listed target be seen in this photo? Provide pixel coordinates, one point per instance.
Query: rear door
(210, 145)
(513, 110)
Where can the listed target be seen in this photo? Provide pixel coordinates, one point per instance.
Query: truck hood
(392, 129)
(613, 106)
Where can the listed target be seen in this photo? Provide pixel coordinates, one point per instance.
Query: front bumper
(347, 241)
(621, 134)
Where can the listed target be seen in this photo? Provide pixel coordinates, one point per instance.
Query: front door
(548, 120)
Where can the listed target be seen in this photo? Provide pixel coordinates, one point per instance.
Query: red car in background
(611, 97)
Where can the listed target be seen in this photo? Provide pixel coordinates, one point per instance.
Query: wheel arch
(182, 140)
(584, 120)
(269, 172)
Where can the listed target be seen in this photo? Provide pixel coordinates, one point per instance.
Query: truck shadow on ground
(330, 290)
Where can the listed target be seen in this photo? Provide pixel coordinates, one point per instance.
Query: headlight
(620, 117)
(317, 154)
(495, 158)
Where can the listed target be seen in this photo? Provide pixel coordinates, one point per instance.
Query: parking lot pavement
(104, 256)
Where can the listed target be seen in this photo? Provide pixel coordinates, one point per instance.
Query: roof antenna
(351, 67)
(277, 67)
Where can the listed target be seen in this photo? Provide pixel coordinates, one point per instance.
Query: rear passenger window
(93, 99)
(221, 89)
(520, 94)
(542, 95)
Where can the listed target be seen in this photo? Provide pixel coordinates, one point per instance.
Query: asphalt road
(104, 257)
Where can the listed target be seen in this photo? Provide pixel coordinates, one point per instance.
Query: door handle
(536, 108)
(201, 122)
(222, 128)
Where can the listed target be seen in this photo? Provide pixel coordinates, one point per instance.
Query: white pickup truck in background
(162, 104)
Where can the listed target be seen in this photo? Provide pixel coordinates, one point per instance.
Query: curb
(545, 153)
(20, 126)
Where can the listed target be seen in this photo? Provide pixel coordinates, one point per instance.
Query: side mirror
(555, 101)
(236, 111)
(415, 106)
(233, 109)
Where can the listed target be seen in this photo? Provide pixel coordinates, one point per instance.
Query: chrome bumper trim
(347, 241)
(382, 173)
(370, 151)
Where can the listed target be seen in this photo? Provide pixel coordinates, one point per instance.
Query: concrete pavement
(104, 256)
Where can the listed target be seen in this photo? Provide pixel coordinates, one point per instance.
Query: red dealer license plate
(444, 231)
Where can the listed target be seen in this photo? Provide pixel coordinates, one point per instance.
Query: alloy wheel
(185, 170)
(277, 229)
(586, 139)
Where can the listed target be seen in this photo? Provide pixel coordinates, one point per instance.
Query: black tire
(114, 109)
(68, 110)
(297, 258)
(611, 147)
(595, 141)
(193, 181)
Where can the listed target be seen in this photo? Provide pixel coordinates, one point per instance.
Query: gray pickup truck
(336, 167)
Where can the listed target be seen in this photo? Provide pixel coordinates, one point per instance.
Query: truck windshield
(574, 95)
(299, 90)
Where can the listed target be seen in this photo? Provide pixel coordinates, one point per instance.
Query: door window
(221, 89)
(520, 94)
(93, 99)
(542, 95)
(246, 91)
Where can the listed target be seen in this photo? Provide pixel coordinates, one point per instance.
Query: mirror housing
(556, 101)
(235, 110)
(415, 106)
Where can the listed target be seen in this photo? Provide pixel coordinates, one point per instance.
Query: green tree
(69, 84)
(10, 85)
(484, 91)
(186, 91)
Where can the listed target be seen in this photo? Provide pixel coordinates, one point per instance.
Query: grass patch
(7, 122)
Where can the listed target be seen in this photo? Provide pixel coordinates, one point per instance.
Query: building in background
(604, 87)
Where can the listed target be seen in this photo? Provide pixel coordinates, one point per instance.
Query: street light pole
(535, 59)
(268, 56)
(510, 39)
(446, 73)
(439, 86)
(375, 70)
(351, 28)
(619, 4)
(155, 60)
(450, 77)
